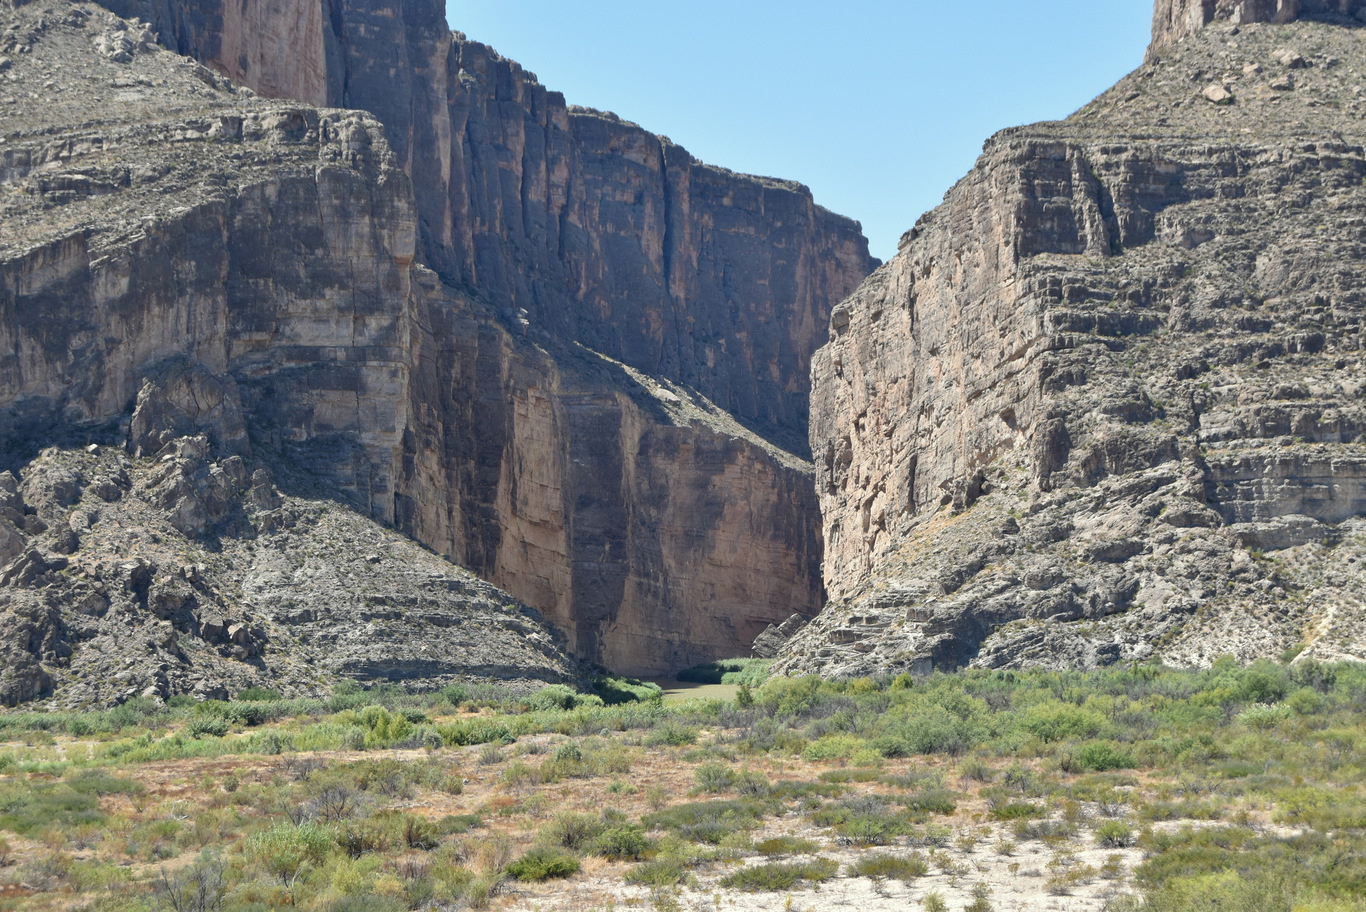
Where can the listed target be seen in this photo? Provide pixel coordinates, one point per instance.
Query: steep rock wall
(588, 226)
(651, 523)
(1119, 365)
(643, 521)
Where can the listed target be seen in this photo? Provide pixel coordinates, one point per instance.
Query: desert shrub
(287, 851)
(1100, 756)
(1017, 810)
(864, 820)
(931, 729)
(658, 872)
(1263, 682)
(752, 783)
(892, 867)
(544, 863)
(932, 800)
(781, 875)
(480, 730)
(455, 694)
(260, 695)
(627, 842)
(210, 728)
(1115, 834)
(833, 747)
(1053, 720)
(573, 831)
(707, 821)
(552, 697)
(199, 887)
(714, 777)
(672, 734)
(786, 845)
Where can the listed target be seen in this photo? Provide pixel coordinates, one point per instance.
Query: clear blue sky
(878, 105)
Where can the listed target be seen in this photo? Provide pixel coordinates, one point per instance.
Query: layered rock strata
(1105, 404)
(248, 269)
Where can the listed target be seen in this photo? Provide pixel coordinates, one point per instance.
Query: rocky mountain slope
(1106, 402)
(592, 401)
(188, 574)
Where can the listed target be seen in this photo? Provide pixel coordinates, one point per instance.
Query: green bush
(1055, 721)
(455, 694)
(714, 777)
(260, 695)
(892, 867)
(287, 851)
(708, 821)
(658, 872)
(781, 875)
(627, 842)
(1100, 756)
(552, 697)
(544, 863)
(1017, 810)
(211, 728)
(786, 845)
(573, 831)
(1115, 834)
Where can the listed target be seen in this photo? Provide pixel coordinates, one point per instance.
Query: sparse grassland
(1135, 790)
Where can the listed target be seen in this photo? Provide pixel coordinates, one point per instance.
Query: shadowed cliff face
(1105, 403)
(590, 227)
(580, 402)
(642, 520)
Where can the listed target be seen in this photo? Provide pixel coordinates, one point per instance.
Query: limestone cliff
(1106, 403)
(164, 223)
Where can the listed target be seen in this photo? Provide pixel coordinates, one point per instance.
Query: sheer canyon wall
(540, 339)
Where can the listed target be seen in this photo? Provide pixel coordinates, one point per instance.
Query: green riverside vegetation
(1233, 788)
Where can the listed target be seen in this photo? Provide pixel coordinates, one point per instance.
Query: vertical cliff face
(598, 230)
(596, 399)
(644, 522)
(283, 260)
(1067, 424)
(1176, 19)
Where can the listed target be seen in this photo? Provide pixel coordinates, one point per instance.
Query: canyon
(575, 363)
(334, 345)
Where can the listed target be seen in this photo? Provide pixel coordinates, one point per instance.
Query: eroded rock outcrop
(1105, 404)
(1175, 19)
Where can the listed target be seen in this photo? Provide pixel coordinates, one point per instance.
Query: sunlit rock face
(1105, 403)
